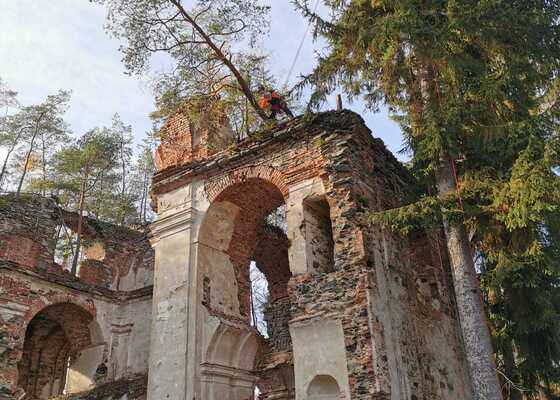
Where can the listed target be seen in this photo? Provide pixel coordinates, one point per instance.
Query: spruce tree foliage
(513, 197)
(474, 86)
(203, 40)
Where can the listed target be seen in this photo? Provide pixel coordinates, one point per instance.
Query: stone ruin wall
(100, 319)
(374, 307)
(383, 301)
(391, 294)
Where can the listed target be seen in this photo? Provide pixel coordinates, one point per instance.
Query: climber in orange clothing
(272, 101)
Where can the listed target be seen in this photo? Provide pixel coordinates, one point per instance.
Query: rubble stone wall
(378, 308)
(355, 311)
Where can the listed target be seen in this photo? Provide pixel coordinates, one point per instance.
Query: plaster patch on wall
(319, 350)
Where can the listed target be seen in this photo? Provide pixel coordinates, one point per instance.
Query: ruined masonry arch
(54, 340)
(214, 187)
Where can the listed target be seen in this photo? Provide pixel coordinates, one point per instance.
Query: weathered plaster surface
(319, 349)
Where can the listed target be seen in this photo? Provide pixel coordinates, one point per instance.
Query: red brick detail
(45, 302)
(53, 338)
(214, 187)
(20, 250)
(271, 258)
(96, 273)
(176, 147)
(183, 141)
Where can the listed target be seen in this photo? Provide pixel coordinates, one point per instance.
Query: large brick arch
(229, 232)
(215, 186)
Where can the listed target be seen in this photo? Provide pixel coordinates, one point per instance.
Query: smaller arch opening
(318, 234)
(323, 387)
(54, 339)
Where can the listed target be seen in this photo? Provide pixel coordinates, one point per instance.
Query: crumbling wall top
(32, 227)
(261, 143)
(184, 140)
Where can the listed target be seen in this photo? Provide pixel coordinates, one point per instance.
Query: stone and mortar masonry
(385, 309)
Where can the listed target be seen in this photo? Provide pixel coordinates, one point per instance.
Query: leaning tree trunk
(6, 159)
(74, 269)
(28, 156)
(243, 85)
(476, 336)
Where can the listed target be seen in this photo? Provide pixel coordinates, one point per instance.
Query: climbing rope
(298, 52)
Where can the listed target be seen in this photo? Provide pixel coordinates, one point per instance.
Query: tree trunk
(74, 269)
(223, 58)
(511, 372)
(476, 336)
(98, 203)
(143, 200)
(7, 158)
(510, 366)
(122, 211)
(43, 164)
(123, 167)
(27, 161)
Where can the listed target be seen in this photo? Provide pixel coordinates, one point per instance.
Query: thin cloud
(46, 45)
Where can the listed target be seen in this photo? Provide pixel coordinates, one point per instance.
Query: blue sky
(46, 45)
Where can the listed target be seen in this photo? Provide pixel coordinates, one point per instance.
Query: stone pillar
(173, 356)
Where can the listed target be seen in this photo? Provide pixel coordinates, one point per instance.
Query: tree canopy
(474, 86)
(210, 45)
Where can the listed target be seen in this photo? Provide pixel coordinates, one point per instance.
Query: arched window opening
(323, 387)
(271, 252)
(53, 340)
(318, 235)
(272, 265)
(244, 273)
(229, 239)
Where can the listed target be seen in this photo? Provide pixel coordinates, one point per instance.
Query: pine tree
(11, 129)
(45, 121)
(123, 135)
(143, 171)
(80, 167)
(200, 37)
